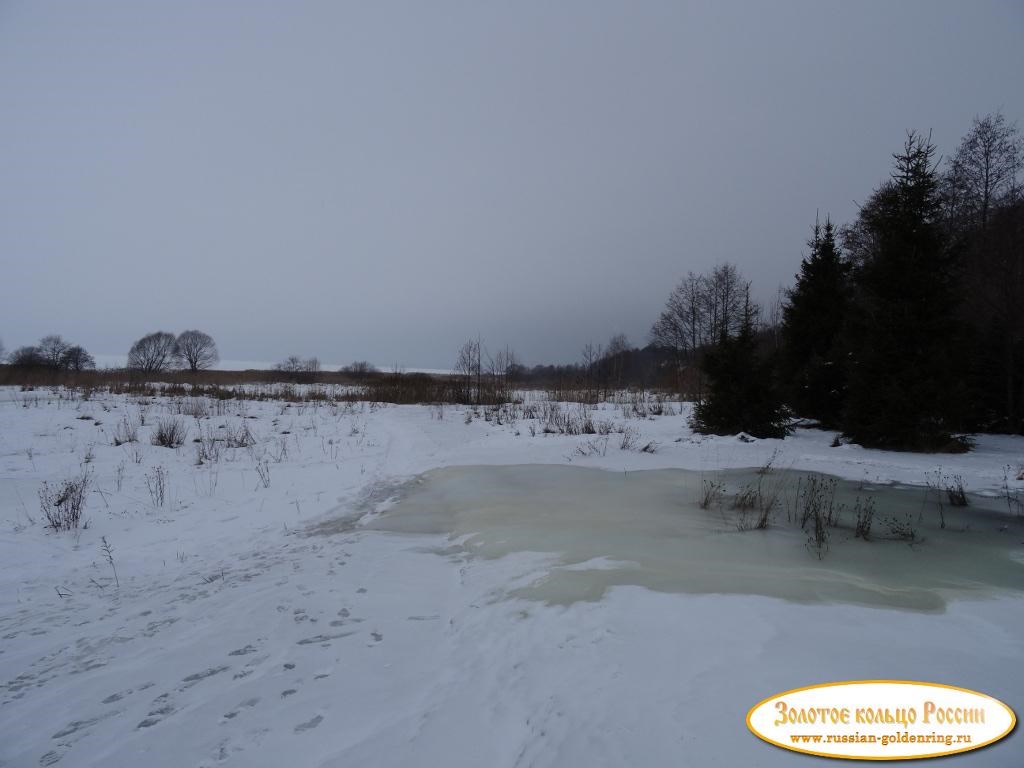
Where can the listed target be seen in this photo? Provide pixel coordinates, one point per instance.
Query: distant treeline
(649, 368)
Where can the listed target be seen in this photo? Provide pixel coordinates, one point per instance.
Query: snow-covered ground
(236, 636)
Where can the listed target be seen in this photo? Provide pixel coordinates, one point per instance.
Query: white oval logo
(881, 720)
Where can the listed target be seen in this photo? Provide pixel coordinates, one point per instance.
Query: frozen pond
(649, 529)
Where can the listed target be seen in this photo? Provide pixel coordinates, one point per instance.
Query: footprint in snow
(309, 724)
(200, 676)
(325, 639)
(247, 704)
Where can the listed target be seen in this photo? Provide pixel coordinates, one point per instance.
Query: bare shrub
(818, 537)
(108, 555)
(157, 485)
(815, 505)
(170, 433)
(901, 528)
(745, 498)
(955, 491)
(630, 436)
(945, 487)
(763, 497)
(279, 450)
(643, 404)
(196, 407)
(864, 514)
(62, 506)
(711, 493)
(553, 418)
(208, 447)
(209, 488)
(769, 466)
(816, 499)
(1012, 496)
(126, 431)
(767, 501)
(263, 471)
(586, 421)
(595, 447)
(238, 436)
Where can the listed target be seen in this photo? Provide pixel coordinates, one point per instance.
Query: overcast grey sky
(382, 180)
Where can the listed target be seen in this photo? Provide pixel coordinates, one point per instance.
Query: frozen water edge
(647, 529)
(263, 647)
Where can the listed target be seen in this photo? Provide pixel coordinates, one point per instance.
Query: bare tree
(359, 369)
(77, 359)
(701, 310)
(773, 319)
(728, 302)
(614, 363)
(52, 349)
(617, 345)
(298, 368)
(681, 325)
(153, 353)
(291, 364)
(26, 357)
(2, 351)
(197, 351)
(984, 170)
(469, 367)
(590, 356)
(500, 368)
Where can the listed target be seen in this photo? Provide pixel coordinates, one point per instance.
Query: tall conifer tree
(900, 392)
(812, 365)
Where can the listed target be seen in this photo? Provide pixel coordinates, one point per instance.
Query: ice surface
(650, 524)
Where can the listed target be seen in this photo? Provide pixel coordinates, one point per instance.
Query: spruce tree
(811, 364)
(901, 393)
(741, 396)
